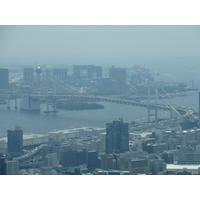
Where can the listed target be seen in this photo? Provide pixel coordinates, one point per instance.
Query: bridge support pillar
(16, 104)
(156, 114)
(148, 114)
(47, 103)
(8, 107)
(54, 106)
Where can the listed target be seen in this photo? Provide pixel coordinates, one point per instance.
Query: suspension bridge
(80, 95)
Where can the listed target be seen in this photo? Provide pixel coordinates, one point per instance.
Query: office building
(52, 160)
(28, 76)
(3, 165)
(13, 167)
(117, 137)
(69, 158)
(60, 74)
(4, 78)
(87, 71)
(92, 159)
(134, 166)
(15, 141)
(108, 162)
(117, 74)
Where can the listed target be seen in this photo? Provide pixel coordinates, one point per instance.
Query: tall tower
(3, 165)
(117, 137)
(38, 71)
(28, 76)
(15, 141)
(4, 79)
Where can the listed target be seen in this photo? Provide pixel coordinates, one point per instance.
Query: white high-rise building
(13, 167)
(52, 160)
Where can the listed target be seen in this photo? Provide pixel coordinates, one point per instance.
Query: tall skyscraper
(3, 165)
(28, 76)
(117, 137)
(3, 78)
(15, 141)
(118, 74)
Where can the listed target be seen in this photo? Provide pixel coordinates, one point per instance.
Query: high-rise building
(69, 158)
(90, 70)
(15, 141)
(117, 74)
(3, 78)
(60, 74)
(13, 167)
(92, 159)
(3, 165)
(117, 137)
(28, 76)
(52, 160)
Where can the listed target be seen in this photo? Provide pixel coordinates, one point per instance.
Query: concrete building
(52, 160)
(69, 158)
(15, 141)
(155, 148)
(4, 80)
(175, 169)
(117, 137)
(111, 172)
(60, 74)
(92, 159)
(47, 171)
(13, 167)
(108, 162)
(117, 74)
(134, 166)
(157, 166)
(87, 71)
(187, 155)
(28, 76)
(29, 139)
(3, 161)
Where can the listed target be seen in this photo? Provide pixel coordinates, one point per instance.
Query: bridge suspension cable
(165, 99)
(168, 95)
(63, 85)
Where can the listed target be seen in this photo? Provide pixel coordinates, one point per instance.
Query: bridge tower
(156, 98)
(47, 94)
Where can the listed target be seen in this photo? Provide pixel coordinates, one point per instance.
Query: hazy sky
(98, 45)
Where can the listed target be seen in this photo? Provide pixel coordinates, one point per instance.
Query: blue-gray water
(37, 122)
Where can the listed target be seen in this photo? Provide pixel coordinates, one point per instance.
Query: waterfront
(36, 122)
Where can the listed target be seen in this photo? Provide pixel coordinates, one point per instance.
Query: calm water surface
(36, 122)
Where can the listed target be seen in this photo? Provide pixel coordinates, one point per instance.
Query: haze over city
(122, 46)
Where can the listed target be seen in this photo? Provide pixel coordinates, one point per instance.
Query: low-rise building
(12, 167)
